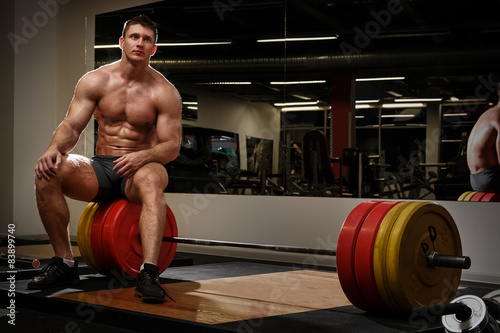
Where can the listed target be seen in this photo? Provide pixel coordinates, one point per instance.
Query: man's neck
(133, 71)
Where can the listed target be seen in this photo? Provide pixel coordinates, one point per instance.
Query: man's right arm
(68, 132)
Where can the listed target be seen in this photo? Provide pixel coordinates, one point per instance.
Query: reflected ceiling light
(297, 82)
(111, 46)
(296, 103)
(192, 107)
(363, 106)
(368, 101)
(381, 78)
(359, 117)
(398, 116)
(296, 39)
(305, 108)
(402, 105)
(393, 93)
(190, 103)
(455, 114)
(300, 96)
(411, 100)
(223, 83)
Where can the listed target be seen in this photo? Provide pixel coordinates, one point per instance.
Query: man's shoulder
(160, 81)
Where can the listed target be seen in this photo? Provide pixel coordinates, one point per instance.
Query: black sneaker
(148, 285)
(55, 274)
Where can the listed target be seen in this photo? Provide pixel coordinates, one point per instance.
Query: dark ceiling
(442, 48)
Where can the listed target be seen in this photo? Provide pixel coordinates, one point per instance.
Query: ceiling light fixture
(223, 83)
(380, 79)
(296, 103)
(368, 101)
(305, 108)
(296, 39)
(363, 106)
(111, 46)
(297, 82)
(411, 100)
(398, 116)
(403, 105)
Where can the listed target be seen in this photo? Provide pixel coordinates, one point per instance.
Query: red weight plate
(96, 235)
(108, 232)
(478, 196)
(122, 242)
(346, 247)
(363, 260)
(491, 197)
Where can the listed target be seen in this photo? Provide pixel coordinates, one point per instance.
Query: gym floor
(212, 294)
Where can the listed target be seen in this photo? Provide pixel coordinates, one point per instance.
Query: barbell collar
(437, 260)
(278, 248)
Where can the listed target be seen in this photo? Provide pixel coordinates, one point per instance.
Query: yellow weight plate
(466, 196)
(380, 254)
(412, 281)
(470, 195)
(83, 236)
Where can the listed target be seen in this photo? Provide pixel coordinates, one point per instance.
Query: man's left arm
(168, 131)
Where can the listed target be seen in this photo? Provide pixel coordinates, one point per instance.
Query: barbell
(391, 255)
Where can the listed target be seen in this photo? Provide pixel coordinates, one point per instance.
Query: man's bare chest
(127, 104)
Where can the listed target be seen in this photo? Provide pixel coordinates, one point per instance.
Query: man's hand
(48, 163)
(127, 165)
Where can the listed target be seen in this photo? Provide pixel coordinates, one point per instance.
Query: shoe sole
(149, 299)
(59, 284)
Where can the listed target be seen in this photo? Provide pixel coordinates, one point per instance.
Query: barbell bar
(382, 245)
(434, 259)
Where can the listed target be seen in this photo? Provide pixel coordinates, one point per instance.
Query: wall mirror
(258, 79)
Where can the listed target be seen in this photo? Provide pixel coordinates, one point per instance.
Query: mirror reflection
(370, 99)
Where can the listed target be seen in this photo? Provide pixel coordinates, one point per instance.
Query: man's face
(138, 43)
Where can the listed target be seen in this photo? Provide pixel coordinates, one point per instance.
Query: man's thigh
(78, 178)
(148, 179)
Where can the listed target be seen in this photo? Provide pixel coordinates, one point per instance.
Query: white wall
(226, 113)
(316, 223)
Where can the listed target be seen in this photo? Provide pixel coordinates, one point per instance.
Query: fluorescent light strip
(411, 100)
(381, 78)
(297, 82)
(454, 114)
(402, 105)
(190, 103)
(306, 108)
(111, 46)
(398, 116)
(363, 106)
(368, 101)
(296, 103)
(296, 39)
(223, 83)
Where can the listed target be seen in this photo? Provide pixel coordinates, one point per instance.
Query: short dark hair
(144, 21)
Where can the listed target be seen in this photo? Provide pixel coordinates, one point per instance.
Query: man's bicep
(169, 122)
(82, 105)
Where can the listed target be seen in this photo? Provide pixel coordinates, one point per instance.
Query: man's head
(144, 21)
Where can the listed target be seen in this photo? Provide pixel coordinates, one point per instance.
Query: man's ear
(154, 50)
(121, 42)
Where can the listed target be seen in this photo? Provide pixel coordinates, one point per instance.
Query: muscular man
(483, 151)
(139, 116)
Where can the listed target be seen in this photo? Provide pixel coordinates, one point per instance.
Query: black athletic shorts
(111, 186)
(486, 181)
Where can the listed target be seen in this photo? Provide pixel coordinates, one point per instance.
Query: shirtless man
(483, 151)
(139, 115)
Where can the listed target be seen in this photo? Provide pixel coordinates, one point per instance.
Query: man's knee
(150, 179)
